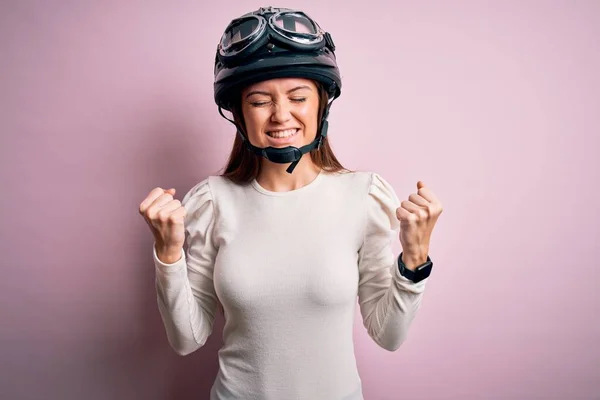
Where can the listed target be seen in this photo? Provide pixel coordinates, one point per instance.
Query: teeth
(282, 134)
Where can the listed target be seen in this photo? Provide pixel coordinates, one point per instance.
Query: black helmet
(275, 43)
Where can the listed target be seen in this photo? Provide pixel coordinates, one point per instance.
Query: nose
(281, 113)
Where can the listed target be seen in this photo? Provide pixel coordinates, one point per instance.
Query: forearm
(389, 313)
(186, 324)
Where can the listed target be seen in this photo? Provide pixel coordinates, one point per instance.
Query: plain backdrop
(495, 105)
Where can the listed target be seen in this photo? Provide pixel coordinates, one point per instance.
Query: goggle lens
(239, 31)
(295, 23)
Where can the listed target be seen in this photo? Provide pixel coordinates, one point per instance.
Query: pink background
(494, 105)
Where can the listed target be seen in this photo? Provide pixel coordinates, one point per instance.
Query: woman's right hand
(165, 217)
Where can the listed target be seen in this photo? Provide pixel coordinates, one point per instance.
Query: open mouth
(288, 133)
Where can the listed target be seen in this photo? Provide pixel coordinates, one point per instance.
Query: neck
(274, 177)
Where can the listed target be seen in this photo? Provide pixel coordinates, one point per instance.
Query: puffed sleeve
(388, 301)
(185, 290)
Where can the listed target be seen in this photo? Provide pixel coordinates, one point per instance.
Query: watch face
(427, 264)
(420, 273)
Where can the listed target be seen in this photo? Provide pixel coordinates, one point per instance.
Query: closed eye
(263, 103)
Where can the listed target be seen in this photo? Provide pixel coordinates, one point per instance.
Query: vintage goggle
(289, 28)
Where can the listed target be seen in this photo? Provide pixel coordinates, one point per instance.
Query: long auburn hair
(243, 166)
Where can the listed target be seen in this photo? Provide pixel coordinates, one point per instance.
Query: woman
(286, 239)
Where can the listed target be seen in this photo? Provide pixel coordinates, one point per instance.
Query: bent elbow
(184, 347)
(390, 344)
(391, 348)
(182, 351)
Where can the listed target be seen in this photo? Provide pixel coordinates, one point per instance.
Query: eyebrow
(268, 94)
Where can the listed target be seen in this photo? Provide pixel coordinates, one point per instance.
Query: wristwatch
(417, 275)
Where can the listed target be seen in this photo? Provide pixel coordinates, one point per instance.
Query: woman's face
(281, 112)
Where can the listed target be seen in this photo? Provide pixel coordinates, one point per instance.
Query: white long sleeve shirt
(287, 268)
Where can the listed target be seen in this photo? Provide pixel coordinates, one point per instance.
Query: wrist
(168, 255)
(412, 261)
(418, 270)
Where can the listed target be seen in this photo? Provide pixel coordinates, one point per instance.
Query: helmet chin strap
(288, 154)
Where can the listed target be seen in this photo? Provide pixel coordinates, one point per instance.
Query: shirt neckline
(304, 188)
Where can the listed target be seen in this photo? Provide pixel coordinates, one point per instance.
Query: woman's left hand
(417, 217)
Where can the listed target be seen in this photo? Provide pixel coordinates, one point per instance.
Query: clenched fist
(418, 216)
(165, 217)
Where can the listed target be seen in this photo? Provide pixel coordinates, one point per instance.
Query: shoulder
(211, 188)
(197, 196)
(353, 179)
(363, 182)
(371, 189)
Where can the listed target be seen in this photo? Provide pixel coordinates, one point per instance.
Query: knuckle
(149, 214)
(155, 193)
(162, 216)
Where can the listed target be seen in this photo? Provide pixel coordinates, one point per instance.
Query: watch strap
(420, 273)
